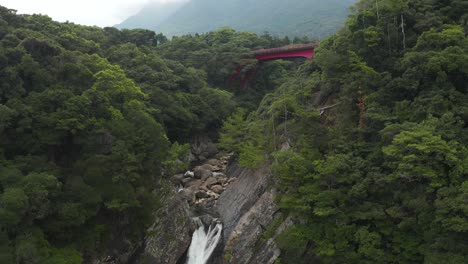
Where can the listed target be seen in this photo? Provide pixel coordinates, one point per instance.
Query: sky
(86, 12)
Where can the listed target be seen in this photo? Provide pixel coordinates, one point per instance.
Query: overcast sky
(86, 12)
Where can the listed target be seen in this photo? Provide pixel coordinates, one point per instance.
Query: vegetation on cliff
(87, 121)
(368, 141)
(381, 176)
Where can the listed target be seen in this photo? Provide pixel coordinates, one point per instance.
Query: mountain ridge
(314, 19)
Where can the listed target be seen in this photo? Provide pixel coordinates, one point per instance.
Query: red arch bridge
(306, 51)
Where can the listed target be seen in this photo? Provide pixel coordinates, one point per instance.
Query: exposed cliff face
(251, 218)
(169, 237)
(248, 233)
(240, 197)
(243, 204)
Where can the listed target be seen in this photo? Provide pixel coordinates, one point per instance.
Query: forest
(381, 175)
(367, 142)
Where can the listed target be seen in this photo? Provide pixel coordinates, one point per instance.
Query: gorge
(124, 146)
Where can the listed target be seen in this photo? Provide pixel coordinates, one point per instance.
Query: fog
(86, 12)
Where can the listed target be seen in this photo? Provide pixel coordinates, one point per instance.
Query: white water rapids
(204, 243)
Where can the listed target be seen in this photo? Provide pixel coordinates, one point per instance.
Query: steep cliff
(250, 216)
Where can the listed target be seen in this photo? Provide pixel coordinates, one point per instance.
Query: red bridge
(292, 51)
(246, 73)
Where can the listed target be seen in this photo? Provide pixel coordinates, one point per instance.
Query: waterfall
(203, 242)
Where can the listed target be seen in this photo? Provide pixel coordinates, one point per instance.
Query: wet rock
(218, 174)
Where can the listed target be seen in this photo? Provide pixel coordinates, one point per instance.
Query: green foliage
(83, 135)
(379, 174)
(232, 132)
(367, 142)
(174, 162)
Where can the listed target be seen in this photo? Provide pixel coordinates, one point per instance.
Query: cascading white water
(204, 243)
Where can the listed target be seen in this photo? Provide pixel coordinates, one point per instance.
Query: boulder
(189, 174)
(217, 189)
(206, 167)
(210, 182)
(201, 172)
(206, 175)
(193, 183)
(217, 168)
(186, 181)
(222, 180)
(214, 162)
(177, 179)
(201, 195)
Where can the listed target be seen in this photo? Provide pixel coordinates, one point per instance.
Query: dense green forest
(381, 176)
(312, 18)
(367, 142)
(89, 124)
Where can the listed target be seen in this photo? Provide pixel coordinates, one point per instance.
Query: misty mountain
(153, 13)
(314, 18)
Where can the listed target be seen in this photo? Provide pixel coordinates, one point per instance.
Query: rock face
(169, 237)
(241, 196)
(235, 196)
(251, 218)
(246, 235)
(216, 191)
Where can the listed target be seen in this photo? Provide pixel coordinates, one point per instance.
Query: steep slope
(313, 18)
(368, 140)
(154, 13)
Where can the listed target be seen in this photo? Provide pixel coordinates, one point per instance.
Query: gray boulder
(177, 179)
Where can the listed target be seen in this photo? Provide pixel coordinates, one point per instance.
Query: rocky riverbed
(203, 185)
(214, 191)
